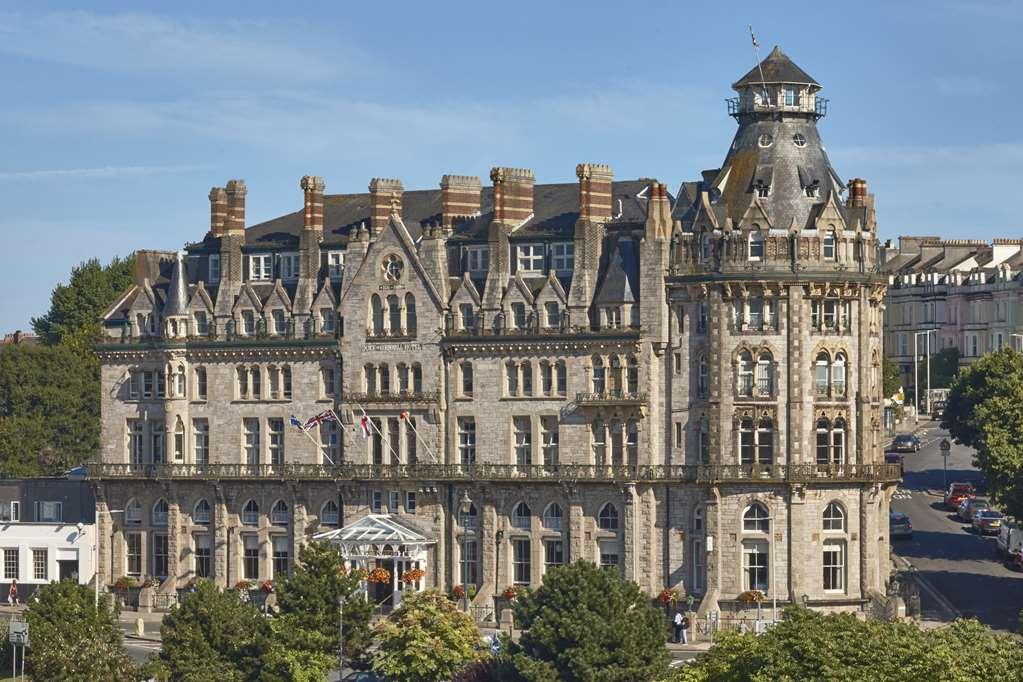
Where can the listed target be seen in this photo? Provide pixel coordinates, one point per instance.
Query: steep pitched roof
(777, 68)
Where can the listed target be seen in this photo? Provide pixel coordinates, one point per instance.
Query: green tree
(427, 639)
(72, 640)
(944, 367)
(985, 411)
(213, 635)
(891, 380)
(49, 409)
(75, 308)
(306, 628)
(587, 623)
(811, 646)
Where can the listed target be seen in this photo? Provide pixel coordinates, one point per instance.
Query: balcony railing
(402, 397)
(818, 106)
(696, 473)
(611, 398)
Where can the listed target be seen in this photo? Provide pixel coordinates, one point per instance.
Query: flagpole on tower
(756, 63)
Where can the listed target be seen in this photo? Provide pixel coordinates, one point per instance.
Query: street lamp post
(916, 381)
(463, 507)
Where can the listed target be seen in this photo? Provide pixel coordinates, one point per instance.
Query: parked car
(987, 521)
(906, 442)
(896, 458)
(899, 525)
(957, 492)
(1009, 539)
(969, 507)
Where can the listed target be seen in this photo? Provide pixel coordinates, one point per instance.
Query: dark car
(896, 458)
(906, 442)
(957, 492)
(987, 521)
(899, 525)
(969, 507)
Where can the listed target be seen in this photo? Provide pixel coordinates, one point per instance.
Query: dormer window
(813, 190)
(829, 245)
(214, 272)
(530, 258)
(289, 266)
(563, 257)
(705, 249)
(756, 243)
(261, 267)
(477, 259)
(335, 264)
(762, 189)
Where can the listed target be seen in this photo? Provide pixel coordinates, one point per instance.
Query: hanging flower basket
(669, 596)
(242, 585)
(751, 597)
(379, 575)
(457, 592)
(513, 592)
(413, 575)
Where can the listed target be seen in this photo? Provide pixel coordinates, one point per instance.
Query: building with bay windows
(681, 387)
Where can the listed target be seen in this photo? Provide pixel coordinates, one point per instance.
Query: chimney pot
(513, 194)
(594, 190)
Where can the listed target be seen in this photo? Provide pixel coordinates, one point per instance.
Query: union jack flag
(316, 420)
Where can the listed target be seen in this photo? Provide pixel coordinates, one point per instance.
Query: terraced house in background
(684, 388)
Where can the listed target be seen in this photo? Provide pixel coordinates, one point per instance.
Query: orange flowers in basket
(379, 575)
(413, 575)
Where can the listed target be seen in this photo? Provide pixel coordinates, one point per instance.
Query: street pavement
(964, 570)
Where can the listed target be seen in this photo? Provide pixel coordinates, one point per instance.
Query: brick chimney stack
(857, 192)
(459, 198)
(658, 212)
(385, 199)
(313, 186)
(235, 191)
(594, 191)
(513, 194)
(218, 210)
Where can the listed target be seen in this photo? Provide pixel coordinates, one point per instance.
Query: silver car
(899, 525)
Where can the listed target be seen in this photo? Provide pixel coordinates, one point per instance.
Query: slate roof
(777, 68)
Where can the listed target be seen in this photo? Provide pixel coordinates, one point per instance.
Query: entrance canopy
(378, 536)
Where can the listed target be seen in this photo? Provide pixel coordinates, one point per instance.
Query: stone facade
(683, 388)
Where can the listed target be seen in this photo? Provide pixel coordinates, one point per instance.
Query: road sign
(945, 447)
(18, 632)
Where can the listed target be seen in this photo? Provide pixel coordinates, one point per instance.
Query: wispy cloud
(139, 43)
(97, 173)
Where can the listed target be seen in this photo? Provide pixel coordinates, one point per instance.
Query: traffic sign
(18, 632)
(945, 447)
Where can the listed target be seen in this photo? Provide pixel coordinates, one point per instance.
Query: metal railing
(611, 397)
(690, 473)
(402, 397)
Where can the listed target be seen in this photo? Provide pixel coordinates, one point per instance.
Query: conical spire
(776, 68)
(177, 291)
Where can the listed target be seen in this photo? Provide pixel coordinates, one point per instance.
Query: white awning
(378, 536)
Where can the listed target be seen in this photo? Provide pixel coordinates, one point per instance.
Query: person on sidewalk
(680, 632)
(12, 594)
(685, 629)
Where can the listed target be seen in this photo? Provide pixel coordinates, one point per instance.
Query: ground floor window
(161, 554)
(699, 567)
(11, 564)
(40, 564)
(470, 562)
(553, 553)
(834, 566)
(281, 556)
(521, 560)
(609, 557)
(134, 553)
(250, 558)
(203, 563)
(754, 565)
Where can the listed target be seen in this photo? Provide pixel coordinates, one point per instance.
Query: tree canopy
(213, 635)
(807, 645)
(72, 640)
(427, 639)
(588, 623)
(985, 411)
(890, 380)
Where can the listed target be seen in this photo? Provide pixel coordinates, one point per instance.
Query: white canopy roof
(375, 529)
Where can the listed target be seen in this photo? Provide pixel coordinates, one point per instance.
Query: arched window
(616, 375)
(179, 439)
(179, 384)
(821, 374)
(838, 442)
(745, 374)
(838, 376)
(702, 377)
(755, 519)
(160, 513)
(765, 374)
(521, 516)
(756, 242)
(279, 513)
(765, 441)
(471, 520)
(607, 519)
(552, 517)
(599, 375)
(698, 519)
(410, 314)
(394, 314)
(202, 512)
(834, 517)
(829, 245)
(133, 512)
(330, 515)
(377, 310)
(823, 441)
(250, 513)
(632, 375)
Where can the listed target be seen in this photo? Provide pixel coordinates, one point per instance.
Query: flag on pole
(404, 415)
(756, 45)
(316, 420)
(364, 426)
(297, 423)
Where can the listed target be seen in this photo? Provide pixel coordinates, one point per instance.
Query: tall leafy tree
(427, 639)
(306, 628)
(811, 646)
(985, 411)
(72, 640)
(890, 379)
(213, 635)
(588, 623)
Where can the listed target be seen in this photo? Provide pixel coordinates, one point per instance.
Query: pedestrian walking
(12, 594)
(679, 627)
(685, 629)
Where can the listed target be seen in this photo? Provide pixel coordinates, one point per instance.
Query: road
(962, 566)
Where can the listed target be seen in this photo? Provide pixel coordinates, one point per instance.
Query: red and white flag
(364, 427)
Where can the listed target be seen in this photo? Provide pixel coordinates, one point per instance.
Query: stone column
(630, 532)
(177, 544)
(576, 529)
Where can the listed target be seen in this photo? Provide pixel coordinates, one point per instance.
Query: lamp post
(464, 505)
(916, 381)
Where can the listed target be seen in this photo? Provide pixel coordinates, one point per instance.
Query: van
(1010, 538)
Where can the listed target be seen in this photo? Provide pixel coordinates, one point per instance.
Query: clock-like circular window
(798, 140)
(765, 140)
(393, 267)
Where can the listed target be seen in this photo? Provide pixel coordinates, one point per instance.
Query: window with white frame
(754, 565)
(563, 257)
(828, 246)
(250, 428)
(553, 554)
(11, 557)
(250, 557)
(282, 555)
(261, 267)
(834, 565)
(521, 560)
(161, 555)
(133, 553)
(834, 518)
(756, 243)
(467, 441)
(289, 266)
(203, 556)
(477, 259)
(335, 264)
(609, 556)
(202, 323)
(40, 564)
(530, 258)
(10, 511)
(549, 440)
(755, 519)
(523, 440)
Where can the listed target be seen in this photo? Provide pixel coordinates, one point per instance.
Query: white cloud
(150, 44)
(100, 172)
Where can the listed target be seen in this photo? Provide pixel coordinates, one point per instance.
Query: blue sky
(117, 118)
